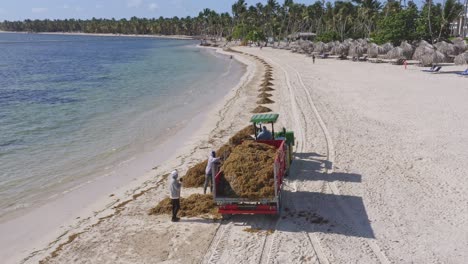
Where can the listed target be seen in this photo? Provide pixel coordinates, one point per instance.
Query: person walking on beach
(212, 160)
(174, 190)
(313, 58)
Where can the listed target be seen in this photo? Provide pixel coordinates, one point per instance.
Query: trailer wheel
(226, 217)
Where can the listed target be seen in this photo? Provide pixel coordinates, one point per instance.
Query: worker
(264, 134)
(174, 190)
(313, 58)
(212, 160)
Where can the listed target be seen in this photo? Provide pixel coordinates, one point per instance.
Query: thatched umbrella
(408, 49)
(307, 46)
(340, 49)
(267, 83)
(386, 48)
(424, 43)
(362, 42)
(356, 50)
(319, 47)
(445, 48)
(348, 41)
(460, 45)
(461, 59)
(422, 50)
(395, 53)
(430, 59)
(373, 50)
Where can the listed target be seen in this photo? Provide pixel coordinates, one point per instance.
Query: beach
(378, 175)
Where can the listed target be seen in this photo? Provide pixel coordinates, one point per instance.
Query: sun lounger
(400, 61)
(463, 73)
(433, 69)
(324, 56)
(362, 59)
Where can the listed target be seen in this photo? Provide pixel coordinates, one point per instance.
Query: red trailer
(268, 205)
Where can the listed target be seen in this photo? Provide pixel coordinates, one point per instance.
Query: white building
(460, 26)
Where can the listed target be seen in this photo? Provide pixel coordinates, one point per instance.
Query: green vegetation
(388, 21)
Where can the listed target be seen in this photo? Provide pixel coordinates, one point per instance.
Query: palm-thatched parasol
(422, 50)
(319, 47)
(460, 45)
(373, 50)
(430, 59)
(408, 49)
(265, 101)
(395, 53)
(307, 46)
(261, 109)
(461, 58)
(356, 49)
(362, 42)
(445, 48)
(340, 49)
(267, 83)
(387, 47)
(348, 41)
(424, 43)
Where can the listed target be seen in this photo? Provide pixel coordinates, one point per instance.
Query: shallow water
(73, 107)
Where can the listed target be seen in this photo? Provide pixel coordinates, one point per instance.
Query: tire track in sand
(298, 114)
(329, 167)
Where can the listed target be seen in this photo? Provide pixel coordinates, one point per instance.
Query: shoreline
(375, 178)
(181, 37)
(187, 137)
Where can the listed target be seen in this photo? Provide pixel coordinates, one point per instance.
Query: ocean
(72, 108)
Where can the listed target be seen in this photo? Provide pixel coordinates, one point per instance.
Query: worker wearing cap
(264, 134)
(208, 171)
(174, 191)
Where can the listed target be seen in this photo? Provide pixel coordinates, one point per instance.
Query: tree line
(390, 21)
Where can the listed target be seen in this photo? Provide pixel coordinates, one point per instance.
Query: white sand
(379, 175)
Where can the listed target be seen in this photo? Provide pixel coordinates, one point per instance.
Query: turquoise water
(73, 106)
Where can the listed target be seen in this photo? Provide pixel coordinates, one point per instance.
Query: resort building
(459, 27)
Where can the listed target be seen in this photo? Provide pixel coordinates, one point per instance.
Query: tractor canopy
(264, 118)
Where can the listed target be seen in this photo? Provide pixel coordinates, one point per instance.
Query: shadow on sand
(315, 211)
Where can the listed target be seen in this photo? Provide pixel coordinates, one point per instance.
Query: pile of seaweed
(248, 172)
(265, 100)
(261, 109)
(195, 176)
(194, 205)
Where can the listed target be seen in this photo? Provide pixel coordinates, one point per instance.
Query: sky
(85, 9)
(59, 9)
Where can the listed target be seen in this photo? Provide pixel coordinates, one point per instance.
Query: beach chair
(399, 61)
(433, 69)
(463, 73)
(323, 56)
(363, 58)
(342, 57)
